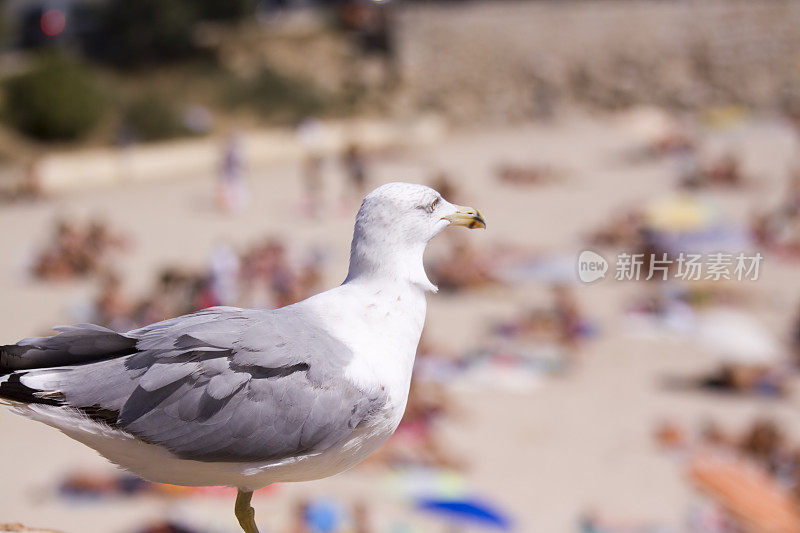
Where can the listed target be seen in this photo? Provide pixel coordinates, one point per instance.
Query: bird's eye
(433, 205)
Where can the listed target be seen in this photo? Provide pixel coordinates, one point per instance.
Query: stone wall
(502, 61)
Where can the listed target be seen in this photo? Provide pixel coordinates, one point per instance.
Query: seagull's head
(395, 223)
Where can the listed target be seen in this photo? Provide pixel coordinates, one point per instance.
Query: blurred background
(162, 156)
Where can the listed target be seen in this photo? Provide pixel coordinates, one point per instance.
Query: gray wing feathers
(291, 338)
(225, 384)
(159, 375)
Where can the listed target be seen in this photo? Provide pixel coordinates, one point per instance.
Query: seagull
(250, 397)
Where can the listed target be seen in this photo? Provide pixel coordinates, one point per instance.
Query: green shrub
(152, 118)
(229, 10)
(276, 96)
(4, 25)
(58, 100)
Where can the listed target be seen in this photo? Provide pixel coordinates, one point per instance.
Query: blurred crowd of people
(562, 322)
(760, 464)
(78, 250)
(515, 174)
(261, 276)
(537, 340)
(778, 229)
(462, 267)
(772, 227)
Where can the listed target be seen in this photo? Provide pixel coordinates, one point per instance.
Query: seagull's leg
(245, 513)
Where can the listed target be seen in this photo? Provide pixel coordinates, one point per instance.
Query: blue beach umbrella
(469, 512)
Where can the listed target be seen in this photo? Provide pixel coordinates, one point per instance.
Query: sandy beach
(568, 444)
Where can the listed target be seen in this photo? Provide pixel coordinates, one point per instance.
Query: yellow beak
(466, 216)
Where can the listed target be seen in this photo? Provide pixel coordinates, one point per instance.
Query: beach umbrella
(738, 338)
(467, 512)
(680, 213)
(747, 492)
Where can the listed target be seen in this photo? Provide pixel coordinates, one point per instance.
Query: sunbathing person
(463, 268)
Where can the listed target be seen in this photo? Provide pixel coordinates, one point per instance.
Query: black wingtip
(4, 367)
(13, 389)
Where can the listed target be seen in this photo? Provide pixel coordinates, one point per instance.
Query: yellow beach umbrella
(680, 213)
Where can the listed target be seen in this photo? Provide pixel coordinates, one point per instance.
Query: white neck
(385, 261)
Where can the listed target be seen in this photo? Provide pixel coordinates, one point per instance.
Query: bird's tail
(3, 380)
(5, 368)
(74, 345)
